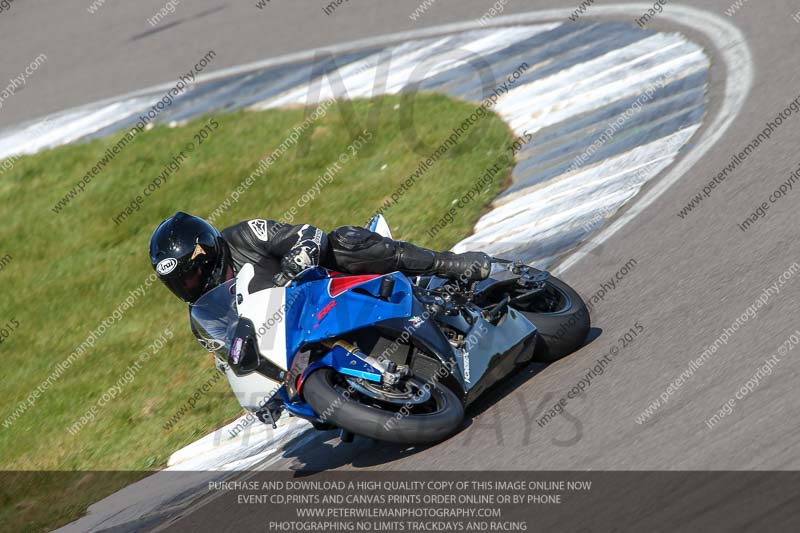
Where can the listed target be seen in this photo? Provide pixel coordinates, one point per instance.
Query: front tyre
(412, 414)
(562, 319)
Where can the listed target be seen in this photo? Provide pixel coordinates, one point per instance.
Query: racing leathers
(279, 251)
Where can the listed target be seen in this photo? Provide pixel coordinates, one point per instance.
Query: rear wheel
(561, 317)
(415, 412)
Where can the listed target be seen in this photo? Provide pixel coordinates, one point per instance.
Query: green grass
(73, 269)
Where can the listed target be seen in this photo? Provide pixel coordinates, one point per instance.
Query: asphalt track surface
(693, 276)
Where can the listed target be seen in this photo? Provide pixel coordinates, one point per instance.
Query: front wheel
(414, 413)
(562, 319)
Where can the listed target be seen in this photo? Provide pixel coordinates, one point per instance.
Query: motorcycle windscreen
(214, 317)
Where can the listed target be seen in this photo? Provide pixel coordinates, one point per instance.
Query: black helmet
(189, 256)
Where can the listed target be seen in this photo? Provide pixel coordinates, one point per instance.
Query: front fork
(347, 359)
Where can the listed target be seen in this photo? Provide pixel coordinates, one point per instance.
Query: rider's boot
(472, 266)
(469, 265)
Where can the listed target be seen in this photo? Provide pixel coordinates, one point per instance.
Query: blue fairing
(313, 315)
(373, 223)
(343, 362)
(297, 408)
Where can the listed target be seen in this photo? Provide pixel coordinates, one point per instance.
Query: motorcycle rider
(191, 257)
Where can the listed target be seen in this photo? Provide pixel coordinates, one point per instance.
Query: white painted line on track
(732, 47)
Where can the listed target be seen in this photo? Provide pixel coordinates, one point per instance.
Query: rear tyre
(562, 320)
(359, 407)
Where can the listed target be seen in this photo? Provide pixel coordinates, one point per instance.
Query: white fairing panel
(379, 225)
(252, 390)
(266, 309)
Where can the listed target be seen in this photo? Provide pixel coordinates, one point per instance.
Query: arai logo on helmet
(166, 266)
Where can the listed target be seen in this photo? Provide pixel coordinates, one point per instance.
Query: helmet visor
(191, 283)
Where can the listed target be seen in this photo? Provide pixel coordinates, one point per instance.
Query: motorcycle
(387, 357)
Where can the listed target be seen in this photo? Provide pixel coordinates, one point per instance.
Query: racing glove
(302, 256)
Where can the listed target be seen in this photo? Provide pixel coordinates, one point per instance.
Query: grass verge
(73, 269)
